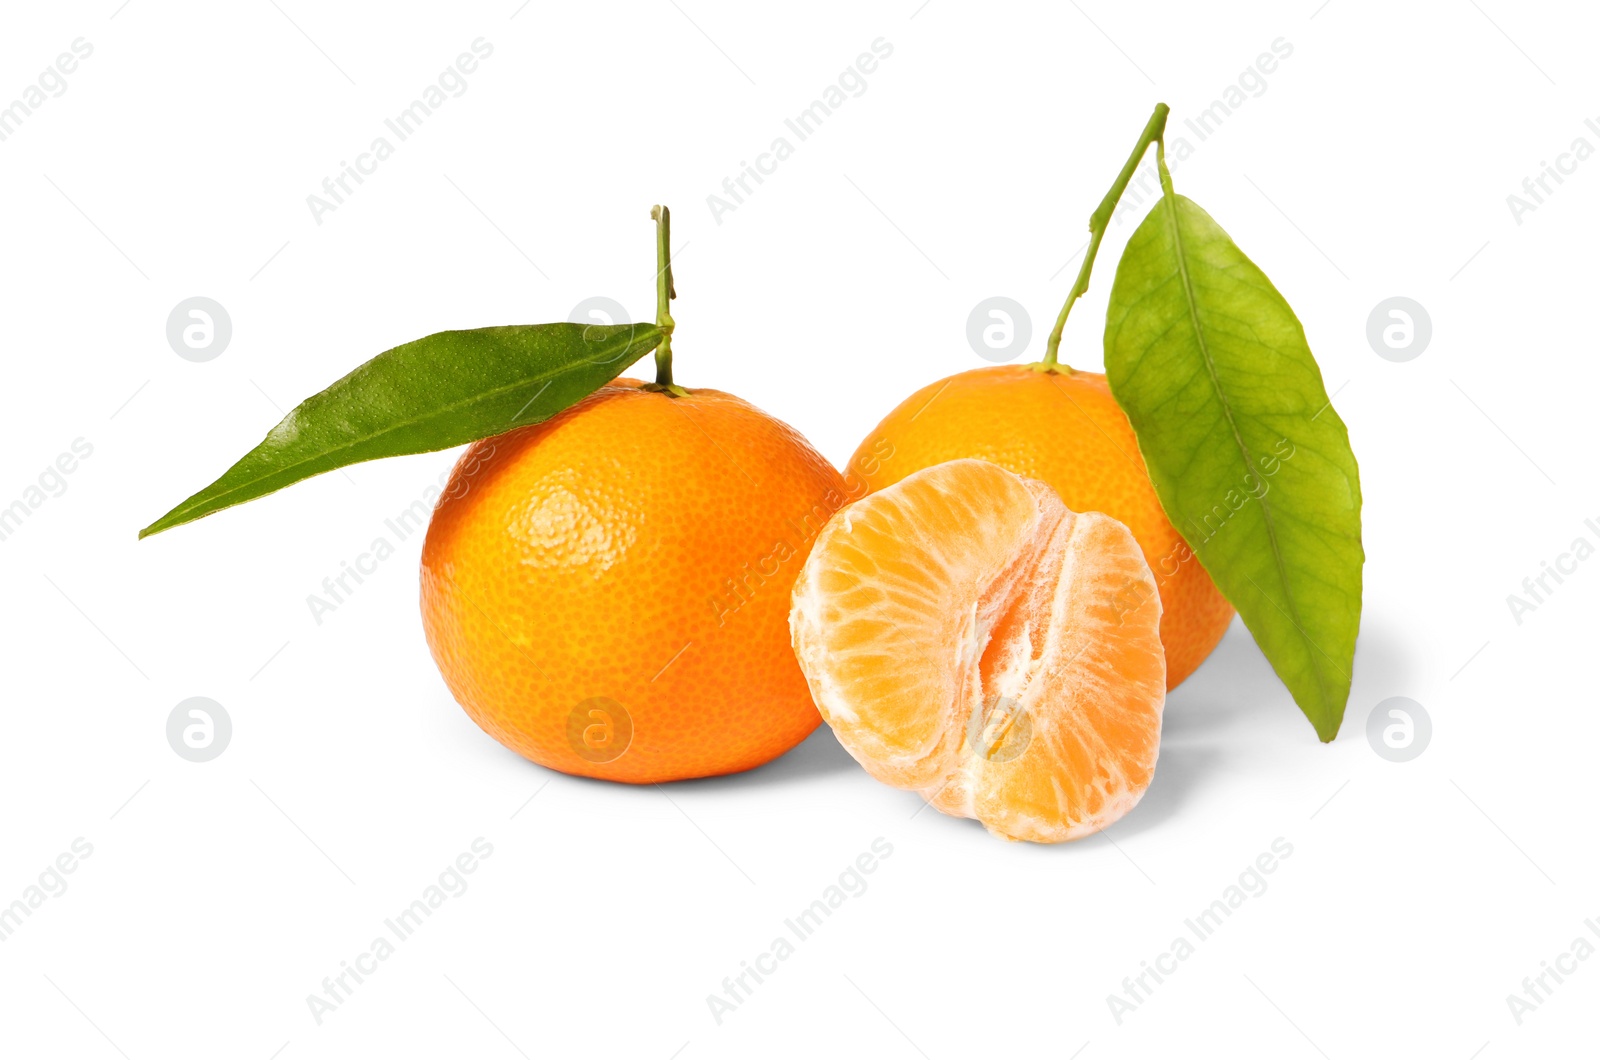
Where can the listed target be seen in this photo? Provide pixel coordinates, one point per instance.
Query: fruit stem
(665, 293)
(1098, 221)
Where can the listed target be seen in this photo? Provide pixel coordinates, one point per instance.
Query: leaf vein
(1170, 202)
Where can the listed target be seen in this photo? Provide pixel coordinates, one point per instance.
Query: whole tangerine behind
(607, 592)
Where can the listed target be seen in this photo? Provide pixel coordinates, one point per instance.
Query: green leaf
(440, 391)
(1248, 456)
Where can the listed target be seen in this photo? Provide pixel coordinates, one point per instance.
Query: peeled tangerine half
(971, 639)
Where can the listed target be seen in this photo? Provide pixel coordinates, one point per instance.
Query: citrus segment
(970, 638)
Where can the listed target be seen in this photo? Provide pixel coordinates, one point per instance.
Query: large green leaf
(434, 393)
(1248, 456)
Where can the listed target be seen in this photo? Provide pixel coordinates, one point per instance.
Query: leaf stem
(1098, 221)
(665, 293)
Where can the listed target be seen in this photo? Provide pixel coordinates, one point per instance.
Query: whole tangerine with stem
(607, 592)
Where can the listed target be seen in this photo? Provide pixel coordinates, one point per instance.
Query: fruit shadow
(816, 757)
(1216, 719)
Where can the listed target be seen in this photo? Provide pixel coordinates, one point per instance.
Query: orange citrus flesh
(607, 592)
(970, 638)
(1063, 428)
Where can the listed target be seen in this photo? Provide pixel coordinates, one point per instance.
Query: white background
(1377, 162)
